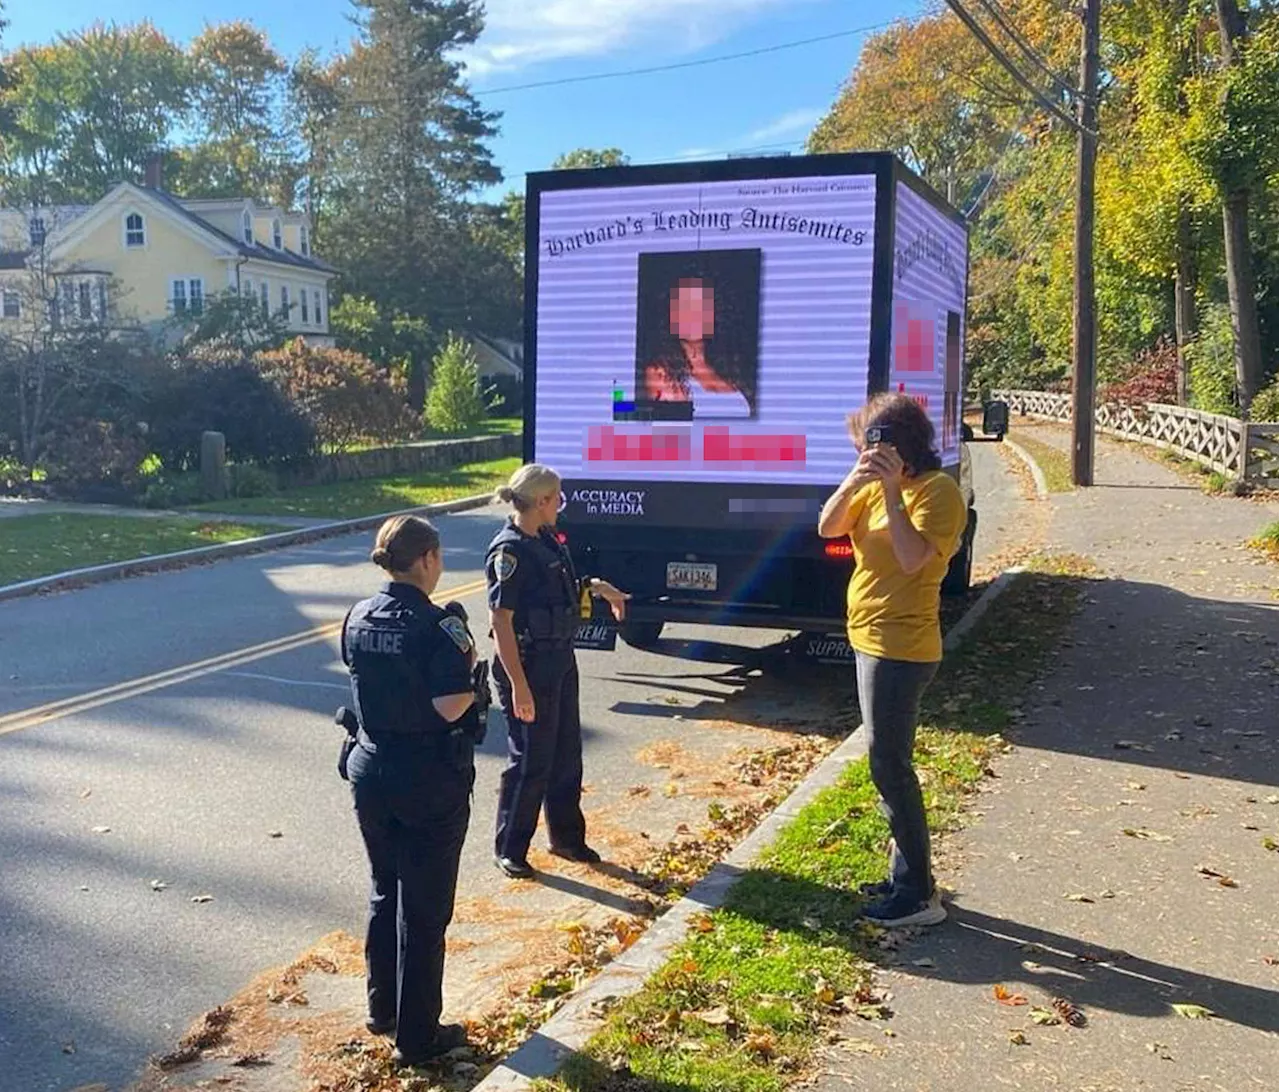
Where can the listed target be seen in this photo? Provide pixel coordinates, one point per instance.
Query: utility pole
(1084, 319)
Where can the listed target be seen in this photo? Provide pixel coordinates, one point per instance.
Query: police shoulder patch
(456, 628)
(504, 565)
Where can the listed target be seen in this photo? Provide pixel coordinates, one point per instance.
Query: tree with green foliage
(590, 157)
(455, 403)
(233, 319)
(238, 85)
(93, 108)
(399, 343)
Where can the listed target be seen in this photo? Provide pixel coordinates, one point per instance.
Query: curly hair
(913, 433)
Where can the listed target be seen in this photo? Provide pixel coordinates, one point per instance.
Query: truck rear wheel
(641, 634)
(960, 572)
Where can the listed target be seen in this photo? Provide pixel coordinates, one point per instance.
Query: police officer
(534, 609)
(411, 772)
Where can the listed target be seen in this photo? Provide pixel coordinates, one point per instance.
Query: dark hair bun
(381, 557)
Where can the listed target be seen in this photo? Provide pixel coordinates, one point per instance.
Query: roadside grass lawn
(490, 426)
(746, 1000)
(44, 544)
(368, 497)
(1054, 464)
(1267, 541)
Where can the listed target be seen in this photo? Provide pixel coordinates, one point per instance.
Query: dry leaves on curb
(1192, 1012)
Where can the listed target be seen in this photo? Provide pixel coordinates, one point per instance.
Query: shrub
(172, 491)
(1152, 377)
(344, 395)
(247, 480)
(1212, 363)
(223, 391)
(96, 460)
(1266, 403)
(454, 402)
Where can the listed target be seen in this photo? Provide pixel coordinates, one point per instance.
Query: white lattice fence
(1225, 444)
(1262, 448)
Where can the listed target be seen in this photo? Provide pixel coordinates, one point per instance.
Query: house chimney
(153, 179)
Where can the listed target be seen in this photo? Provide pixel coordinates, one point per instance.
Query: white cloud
(524, 32)
(794, 123)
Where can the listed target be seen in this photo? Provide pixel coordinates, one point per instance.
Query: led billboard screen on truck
(696, 343)
(699, 345)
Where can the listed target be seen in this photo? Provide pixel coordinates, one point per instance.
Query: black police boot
(448, 1037)
(515, 867)
(583, 854)
(381, 1027)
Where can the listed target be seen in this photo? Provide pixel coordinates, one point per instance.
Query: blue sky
(767, 102)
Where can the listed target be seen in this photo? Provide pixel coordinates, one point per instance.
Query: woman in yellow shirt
(905, 518)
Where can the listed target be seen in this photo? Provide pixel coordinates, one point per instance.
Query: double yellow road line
(131, 688)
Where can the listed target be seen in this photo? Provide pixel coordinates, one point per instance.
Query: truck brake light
(838, 549)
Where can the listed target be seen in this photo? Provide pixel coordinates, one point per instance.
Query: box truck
(696, 335)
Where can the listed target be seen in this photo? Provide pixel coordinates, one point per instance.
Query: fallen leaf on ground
(275, 834)
(69, 1047)
(1146, 835)
(1078, 898)
(1192, 1012)
(202, 898)
(158, 885)
(926, 962)
(1071, 1013)
(1160, 1051)
(639, 790)
(1271, 844)
(251, 1061)
(1135, 786)
(1007, 997)
(85, 794)
(1018, 1039)
(716, 1018)
(1269, 960)
(101, 830)
(1131, 745)
(1044, 1017)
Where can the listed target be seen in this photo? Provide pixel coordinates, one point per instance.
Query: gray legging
(889, 696)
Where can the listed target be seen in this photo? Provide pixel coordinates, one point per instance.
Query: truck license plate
(689, 576)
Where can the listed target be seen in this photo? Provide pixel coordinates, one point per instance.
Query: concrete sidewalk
(1123, 858)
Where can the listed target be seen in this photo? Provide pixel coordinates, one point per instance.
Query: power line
(1002, 58)
(776, 48)
(1000, 16)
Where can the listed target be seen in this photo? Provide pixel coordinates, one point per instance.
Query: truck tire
(641, 634)
(960, 571)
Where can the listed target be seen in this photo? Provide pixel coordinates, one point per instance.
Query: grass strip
(1267, 541)
(48, 543)
(368, 497)
(745, 1000)
(1054, 464)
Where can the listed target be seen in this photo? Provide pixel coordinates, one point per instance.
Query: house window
(277, 234)
(36, 228)
(12, 304)
(68, 290)
(304, 240)
(319, 308)
(266, 299)
(102, 299)
(195, 295)
(135, 232)
(306, 311)
(179, 297)
(284, 301)
(246, 226)
(247, 289)
(85, 301)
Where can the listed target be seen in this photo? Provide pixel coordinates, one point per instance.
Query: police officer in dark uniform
(411, 768)
(534, 609)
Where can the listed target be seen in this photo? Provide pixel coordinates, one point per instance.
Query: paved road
(185, 779)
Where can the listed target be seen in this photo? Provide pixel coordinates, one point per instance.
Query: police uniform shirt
(513, 570)
(402, 651)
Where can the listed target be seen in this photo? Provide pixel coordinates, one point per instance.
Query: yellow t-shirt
(891, 614)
